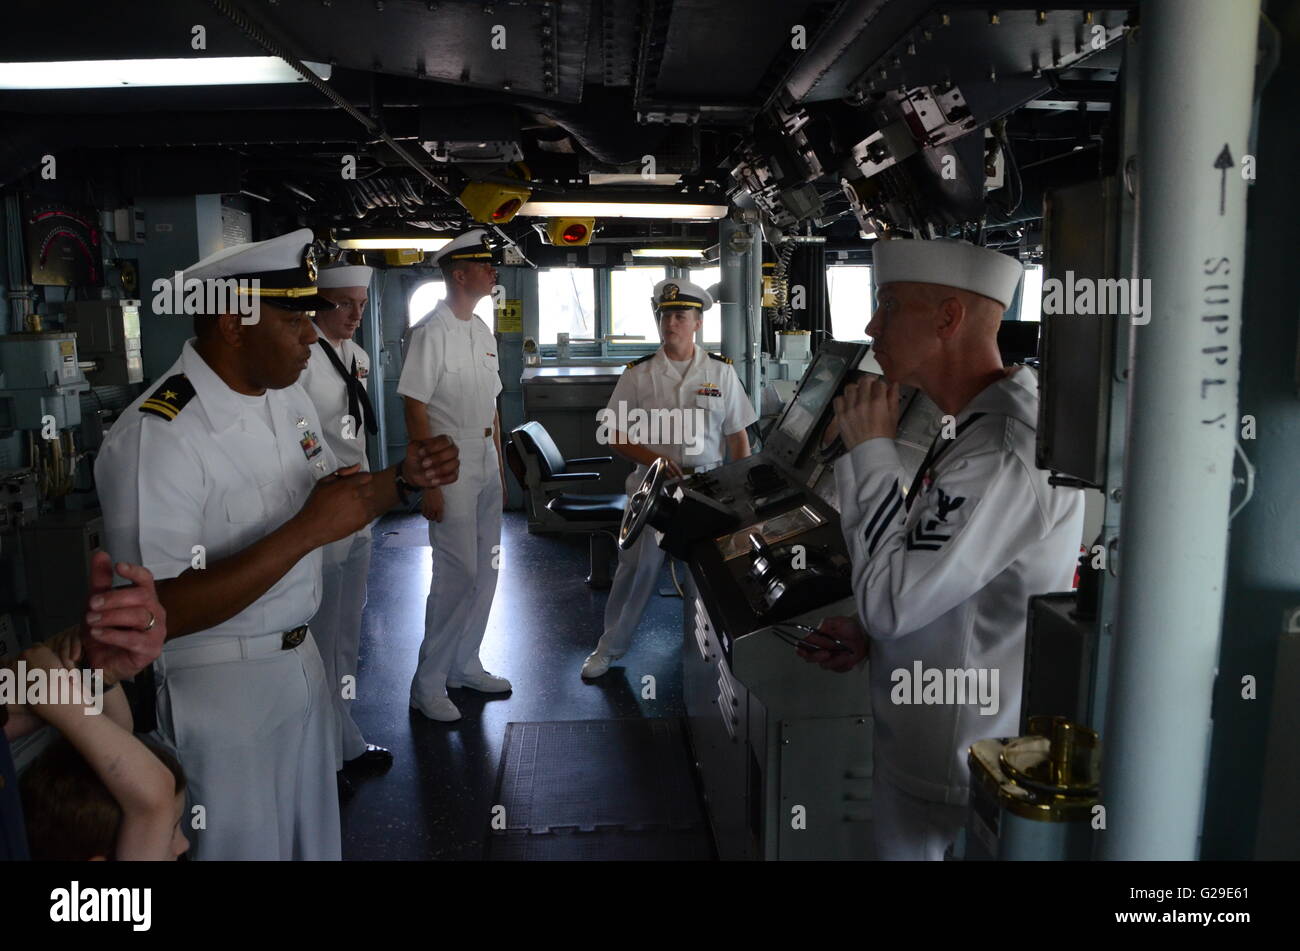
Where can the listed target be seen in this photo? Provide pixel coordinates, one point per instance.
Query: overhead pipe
(259, 35)
(1196, 79)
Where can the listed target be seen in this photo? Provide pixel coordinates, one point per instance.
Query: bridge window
(1031, 298)
(566, 299)
(631, 291)
(851, 298)
(425, 297)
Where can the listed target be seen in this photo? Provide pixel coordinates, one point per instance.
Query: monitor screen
(817, 391)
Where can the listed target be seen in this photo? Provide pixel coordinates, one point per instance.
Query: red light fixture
(570, 232)
(507, 210)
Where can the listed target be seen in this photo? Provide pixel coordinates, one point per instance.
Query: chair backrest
(538, 442)
(515, 463)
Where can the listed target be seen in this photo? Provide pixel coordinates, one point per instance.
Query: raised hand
(125, 627)
(431, 462)
(339, 505)
(866, 410)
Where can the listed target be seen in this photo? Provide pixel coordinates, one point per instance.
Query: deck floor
(435, 802)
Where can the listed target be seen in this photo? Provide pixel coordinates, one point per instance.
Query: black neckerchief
(357, 396)
(932, 458)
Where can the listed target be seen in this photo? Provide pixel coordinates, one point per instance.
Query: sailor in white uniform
(944, 560)
(336, 380)
(450, 381)
(217, 480)
(681, 404)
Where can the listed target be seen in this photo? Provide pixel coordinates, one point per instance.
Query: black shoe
(376, 759)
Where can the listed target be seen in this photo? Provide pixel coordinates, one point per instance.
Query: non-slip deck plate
(598, 789)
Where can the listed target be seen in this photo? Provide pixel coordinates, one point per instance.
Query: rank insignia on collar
(311, 446)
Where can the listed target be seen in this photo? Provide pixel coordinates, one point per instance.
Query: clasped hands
(865, 410)
(344, 502)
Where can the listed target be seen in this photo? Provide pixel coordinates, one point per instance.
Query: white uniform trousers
(635, 580)
(253, 729)
(907, 828)
(345, 565)
(464, 580)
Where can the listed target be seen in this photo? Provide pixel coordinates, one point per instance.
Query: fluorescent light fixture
(393, 244)
(620, 209)
(667, 252)
(631, 178)
(117, 73)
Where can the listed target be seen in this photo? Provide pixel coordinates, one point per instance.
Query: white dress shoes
(483, 683)
(440, 709)
(596, 664)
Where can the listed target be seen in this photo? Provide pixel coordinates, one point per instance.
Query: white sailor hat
(473, 245)
(345, 275)
(957, 264)
(675, 294)
(284, 268)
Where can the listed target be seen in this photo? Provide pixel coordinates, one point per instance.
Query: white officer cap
(471, 246)
(673, 293)
(345, 275)
(284, 267)
(951, 263)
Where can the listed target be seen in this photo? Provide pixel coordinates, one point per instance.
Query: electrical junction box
(108, 332)
(40, 377)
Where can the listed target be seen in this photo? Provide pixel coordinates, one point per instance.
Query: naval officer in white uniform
(707, 414)
(217, 480)
(944, 559)
(336, 379)
(449, 384)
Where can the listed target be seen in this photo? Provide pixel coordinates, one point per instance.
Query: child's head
(69, 812)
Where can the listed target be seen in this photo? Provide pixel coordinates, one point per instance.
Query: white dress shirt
(451, 366)
(330, 396)
(217, 476)
(709, 392)
(946, 583)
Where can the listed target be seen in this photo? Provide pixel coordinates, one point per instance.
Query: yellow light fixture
(570, 232)
(403, 257)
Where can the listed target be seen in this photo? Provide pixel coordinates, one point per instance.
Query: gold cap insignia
(309, 262)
